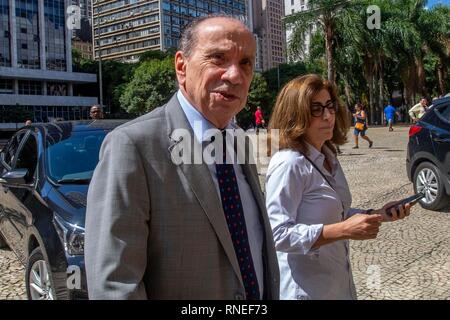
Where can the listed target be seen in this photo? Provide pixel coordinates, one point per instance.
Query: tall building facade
(36, 61)
(84, 33)
(267, 25)
(294, 6)
(123, 29)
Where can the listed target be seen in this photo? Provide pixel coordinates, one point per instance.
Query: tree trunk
(348, 94)
(371, 96)
(441, 77)
(381, 92)
(421, 76)
(329, 49)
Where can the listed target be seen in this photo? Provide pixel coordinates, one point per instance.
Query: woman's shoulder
(286, 159)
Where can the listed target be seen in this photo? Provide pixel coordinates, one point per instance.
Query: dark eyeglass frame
(331, 106)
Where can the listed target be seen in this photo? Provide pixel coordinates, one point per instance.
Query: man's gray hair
(188, 39)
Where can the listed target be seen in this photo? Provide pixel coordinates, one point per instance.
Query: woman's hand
(362, 226)
(404, 211)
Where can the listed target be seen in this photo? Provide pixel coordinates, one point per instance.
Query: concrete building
(36, 61)
(294, 6)
(123, 29)
(267, 25)
(85, 48)
(84, 32)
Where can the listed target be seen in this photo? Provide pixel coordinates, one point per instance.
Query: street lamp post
(100, 72)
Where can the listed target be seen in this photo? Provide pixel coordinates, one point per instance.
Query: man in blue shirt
(389, 113)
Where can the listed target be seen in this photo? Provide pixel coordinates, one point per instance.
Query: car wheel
(38, 278)
(3, 243)
(428, 179)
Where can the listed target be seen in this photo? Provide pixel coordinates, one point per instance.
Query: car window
(27, 157)
(444, 111)
(75, 157)
(11, 149)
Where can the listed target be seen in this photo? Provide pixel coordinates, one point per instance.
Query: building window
(28, 55)
(6, 86)
(30, 87)
(55, 35)
(5, 50)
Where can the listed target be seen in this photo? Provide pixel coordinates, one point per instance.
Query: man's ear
(180, 67)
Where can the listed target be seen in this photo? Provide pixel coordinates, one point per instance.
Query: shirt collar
(203, 129)
(319, 157)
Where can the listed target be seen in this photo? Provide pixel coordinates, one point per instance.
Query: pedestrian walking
(360, 125)
(259, 119)
(389, 115)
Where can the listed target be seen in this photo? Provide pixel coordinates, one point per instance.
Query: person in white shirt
(418, 110)
(307, 196)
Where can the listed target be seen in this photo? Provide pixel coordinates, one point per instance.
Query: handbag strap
(328, 181)
(320, 171)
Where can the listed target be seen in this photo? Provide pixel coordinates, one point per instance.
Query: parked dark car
(45, 173)
(428, 155)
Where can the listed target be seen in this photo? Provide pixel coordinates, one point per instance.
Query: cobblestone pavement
(12, 276)
(410, 259)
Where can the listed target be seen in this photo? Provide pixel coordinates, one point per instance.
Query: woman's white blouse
(300, 202)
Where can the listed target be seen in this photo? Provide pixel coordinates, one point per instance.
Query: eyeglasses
(317, 109)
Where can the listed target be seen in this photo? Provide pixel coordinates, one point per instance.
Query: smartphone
(411, 200)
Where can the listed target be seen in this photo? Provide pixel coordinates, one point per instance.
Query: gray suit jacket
(157, 230)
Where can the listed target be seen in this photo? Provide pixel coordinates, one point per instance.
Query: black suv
(428, 157)
(45, 170)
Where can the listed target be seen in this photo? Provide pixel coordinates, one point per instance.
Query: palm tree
(320, 12)
(434, 28)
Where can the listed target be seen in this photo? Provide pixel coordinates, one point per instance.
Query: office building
(36, 61)
(267, 25)
(123, 29)
(294, 6)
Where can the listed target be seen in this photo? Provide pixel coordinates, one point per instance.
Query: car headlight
(71, 235)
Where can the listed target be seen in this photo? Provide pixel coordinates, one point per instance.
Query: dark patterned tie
(234, 214)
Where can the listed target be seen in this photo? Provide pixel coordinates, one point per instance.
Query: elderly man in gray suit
(160, 229)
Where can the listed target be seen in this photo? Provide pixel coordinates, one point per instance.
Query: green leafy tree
(323, 13)
(152, 85)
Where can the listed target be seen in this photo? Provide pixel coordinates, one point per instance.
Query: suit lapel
(200, 181)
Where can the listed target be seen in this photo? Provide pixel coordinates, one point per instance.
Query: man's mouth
(225, 95)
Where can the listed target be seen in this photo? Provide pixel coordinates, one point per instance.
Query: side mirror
(15, 177)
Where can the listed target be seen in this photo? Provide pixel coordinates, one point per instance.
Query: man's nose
(233, 74)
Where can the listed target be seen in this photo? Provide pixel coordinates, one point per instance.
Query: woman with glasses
(360, 125)
(308, 198)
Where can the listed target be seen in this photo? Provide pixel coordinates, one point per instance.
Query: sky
(433, 2)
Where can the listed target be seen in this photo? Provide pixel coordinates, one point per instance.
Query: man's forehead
(216, 37)
(223, 29)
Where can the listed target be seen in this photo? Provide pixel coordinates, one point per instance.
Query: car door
(21, 198)
(441, 138)
(7, 160)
